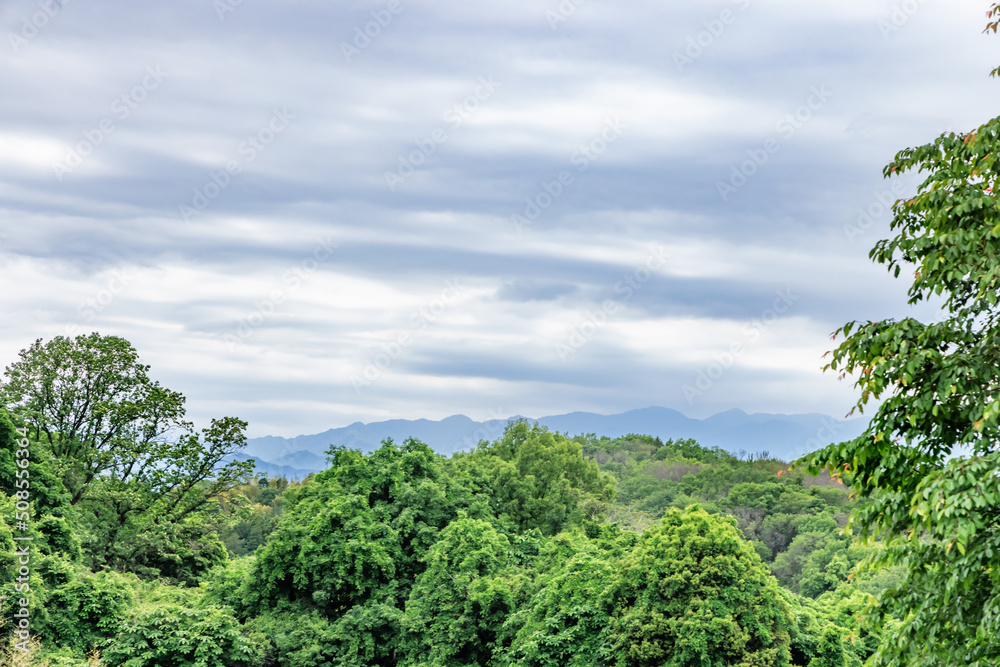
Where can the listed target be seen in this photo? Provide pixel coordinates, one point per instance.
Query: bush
(170, 635)
(88, 609)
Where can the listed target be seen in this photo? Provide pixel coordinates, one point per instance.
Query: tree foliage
(576, 596)
(830, 652)
(171, 635)
(699, 596)
(94, 405)
(460, 602)
(928, 465)
(538, 479)
(110, 450)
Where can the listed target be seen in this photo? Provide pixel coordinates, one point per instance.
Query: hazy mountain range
(783, 436)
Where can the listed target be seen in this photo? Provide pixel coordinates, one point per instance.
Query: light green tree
(459, 603)
(830, 652)
(697, 595)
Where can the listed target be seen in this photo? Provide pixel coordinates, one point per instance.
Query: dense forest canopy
(150, 547)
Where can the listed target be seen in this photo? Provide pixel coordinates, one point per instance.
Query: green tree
(94, 405)
(48, 495)
(87, 609)
(697, 595)
(154, 521)
(459, 603)
(348, 550)
(568, 619)
(830, 652)
(138, 479)
(928, 464)
(538, 479)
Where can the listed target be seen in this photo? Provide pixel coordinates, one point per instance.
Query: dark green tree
(48, 495)
(154, 521)
(93, 404)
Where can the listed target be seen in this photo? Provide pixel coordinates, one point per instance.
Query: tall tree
(120, 446)
(539, 479)
(91, 401)
(929, 463)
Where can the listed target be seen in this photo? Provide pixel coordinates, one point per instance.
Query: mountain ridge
(784, 436)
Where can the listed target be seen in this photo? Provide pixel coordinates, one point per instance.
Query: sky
(306, 214)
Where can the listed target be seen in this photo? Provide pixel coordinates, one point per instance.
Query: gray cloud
(480, 111)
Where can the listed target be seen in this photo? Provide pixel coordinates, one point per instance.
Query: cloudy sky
(309, 213)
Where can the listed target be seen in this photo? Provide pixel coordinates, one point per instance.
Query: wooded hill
(533, 549)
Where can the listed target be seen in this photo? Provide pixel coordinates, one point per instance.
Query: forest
(146, 548)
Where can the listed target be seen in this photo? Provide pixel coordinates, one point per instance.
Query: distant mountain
(276, 470)
(302, 459)
(447, 436)
(784, 436)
